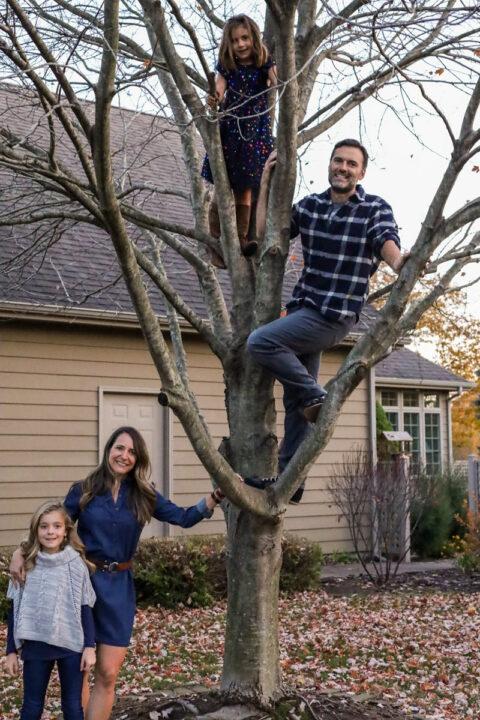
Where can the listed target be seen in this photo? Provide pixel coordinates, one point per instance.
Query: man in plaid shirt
(345, 234)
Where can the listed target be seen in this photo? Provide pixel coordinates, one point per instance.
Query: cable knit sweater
(49, 606)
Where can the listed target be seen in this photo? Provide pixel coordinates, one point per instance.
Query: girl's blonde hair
(142, 497)
(31, 546)
(226, 55)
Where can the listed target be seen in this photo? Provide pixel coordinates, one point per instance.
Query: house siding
(50, 376)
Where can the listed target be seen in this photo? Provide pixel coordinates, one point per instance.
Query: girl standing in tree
(244, 73)
(50, 620)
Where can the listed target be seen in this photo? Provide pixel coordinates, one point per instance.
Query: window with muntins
(419, 414)
(432, 443)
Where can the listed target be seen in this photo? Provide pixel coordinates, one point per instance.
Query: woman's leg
(71, 681)
(85, 691)
(109, 662)
(36, 675)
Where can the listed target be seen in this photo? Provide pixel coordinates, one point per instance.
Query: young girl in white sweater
(50, 619)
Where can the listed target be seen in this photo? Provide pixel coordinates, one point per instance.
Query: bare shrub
(376, 502)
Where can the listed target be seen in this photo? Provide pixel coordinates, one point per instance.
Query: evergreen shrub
(438, 521)
(192, 571)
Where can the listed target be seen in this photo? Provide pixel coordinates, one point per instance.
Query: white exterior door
(141, 411)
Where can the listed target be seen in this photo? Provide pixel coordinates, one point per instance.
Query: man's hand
(89, 658)
(262, 200)
(400, 262)
(392, 255)
(12, 663)
(269, 166)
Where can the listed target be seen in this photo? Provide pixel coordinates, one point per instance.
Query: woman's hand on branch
(17, 567)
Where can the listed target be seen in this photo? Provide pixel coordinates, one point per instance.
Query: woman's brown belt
(112, 567)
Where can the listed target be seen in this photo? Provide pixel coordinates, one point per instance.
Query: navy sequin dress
(245, 129)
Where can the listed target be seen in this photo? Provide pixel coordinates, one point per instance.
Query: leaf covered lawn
(421, 651)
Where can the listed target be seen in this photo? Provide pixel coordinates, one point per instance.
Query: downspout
(449, 424)
(372, 415)
(372, 426)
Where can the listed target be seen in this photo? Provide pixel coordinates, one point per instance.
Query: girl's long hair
(142, 497)
(31, 546)
(226, 55)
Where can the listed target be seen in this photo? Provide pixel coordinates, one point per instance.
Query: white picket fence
(473, 483)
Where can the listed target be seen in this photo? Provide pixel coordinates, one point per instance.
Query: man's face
(345, 170)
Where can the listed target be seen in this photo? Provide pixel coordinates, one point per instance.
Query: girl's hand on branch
(213, 101)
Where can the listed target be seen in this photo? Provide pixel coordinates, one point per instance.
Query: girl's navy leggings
(36, 676)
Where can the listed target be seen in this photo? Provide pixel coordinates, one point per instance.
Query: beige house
(74, 365)
(67, 379)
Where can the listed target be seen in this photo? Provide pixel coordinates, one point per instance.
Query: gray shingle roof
(403, 364)
(79, 268)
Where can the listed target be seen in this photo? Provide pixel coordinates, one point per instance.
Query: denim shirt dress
(110, 531)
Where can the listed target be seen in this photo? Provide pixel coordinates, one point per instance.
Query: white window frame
(400, 409)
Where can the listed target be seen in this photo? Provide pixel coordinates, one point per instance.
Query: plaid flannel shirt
(341, 250)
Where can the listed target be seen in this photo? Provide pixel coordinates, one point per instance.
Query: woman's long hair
(31, 546)
(226, 55)
(142, 494)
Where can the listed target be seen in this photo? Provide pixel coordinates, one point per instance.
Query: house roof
(407, 368)
(73, 271)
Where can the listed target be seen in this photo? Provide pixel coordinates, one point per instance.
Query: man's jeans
(290, 349)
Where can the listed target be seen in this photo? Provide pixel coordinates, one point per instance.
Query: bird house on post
(398, 436)
(401, 463)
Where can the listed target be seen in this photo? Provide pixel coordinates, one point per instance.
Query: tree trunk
(251, 661)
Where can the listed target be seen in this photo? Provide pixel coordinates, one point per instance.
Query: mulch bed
(451, 580)
(210, 706)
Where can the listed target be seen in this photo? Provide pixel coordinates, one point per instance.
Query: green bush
(436, 523)
(192, 571)
(301, 565)
(188, 571)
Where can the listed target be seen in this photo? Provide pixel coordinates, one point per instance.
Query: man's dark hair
(350, 142)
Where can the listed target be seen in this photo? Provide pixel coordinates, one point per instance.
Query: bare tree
(331, 59)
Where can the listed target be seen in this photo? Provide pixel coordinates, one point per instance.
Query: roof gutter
(15, 311)
(424, 382)
(94, 317)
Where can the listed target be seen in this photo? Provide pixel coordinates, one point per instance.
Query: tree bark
(251, 660)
